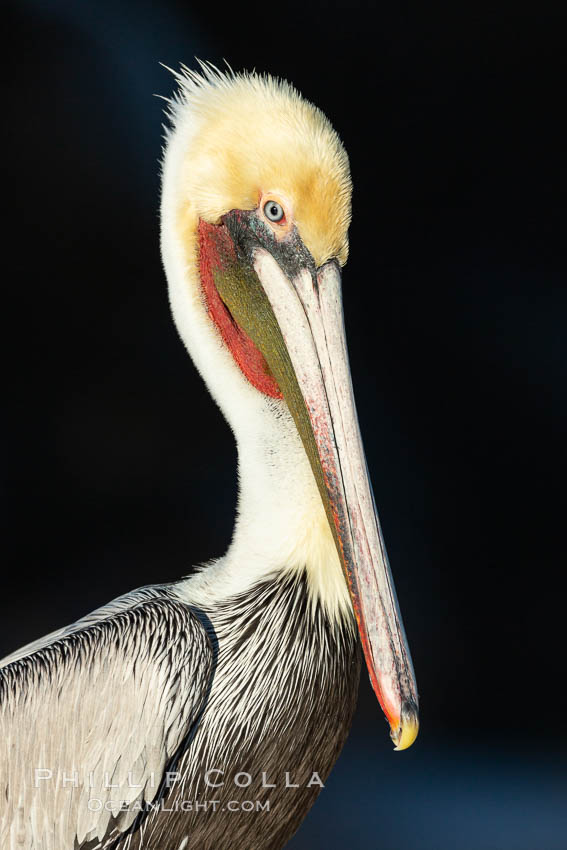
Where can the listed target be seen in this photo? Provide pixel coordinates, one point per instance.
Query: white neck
(281, 524)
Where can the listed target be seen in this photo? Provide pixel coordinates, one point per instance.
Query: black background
(120, 471)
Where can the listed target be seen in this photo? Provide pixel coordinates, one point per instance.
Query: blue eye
(273, 211)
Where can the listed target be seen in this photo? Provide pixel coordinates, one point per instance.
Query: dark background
(120, 471)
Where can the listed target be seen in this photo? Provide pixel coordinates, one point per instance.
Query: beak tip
(406, 732)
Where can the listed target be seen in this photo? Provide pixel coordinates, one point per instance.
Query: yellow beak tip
(406, 733)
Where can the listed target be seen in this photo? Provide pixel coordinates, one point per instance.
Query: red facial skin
(214, 245)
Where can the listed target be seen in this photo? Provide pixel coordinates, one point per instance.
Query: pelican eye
(273, 211)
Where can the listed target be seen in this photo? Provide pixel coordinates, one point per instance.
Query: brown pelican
(208, 713)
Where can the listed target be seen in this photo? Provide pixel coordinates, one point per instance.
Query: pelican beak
(293, 313)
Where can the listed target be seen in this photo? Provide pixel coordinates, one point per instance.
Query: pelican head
(255, 216)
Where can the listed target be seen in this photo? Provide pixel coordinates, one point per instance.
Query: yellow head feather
(256, 134)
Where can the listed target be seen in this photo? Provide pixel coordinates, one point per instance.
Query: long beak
(295, 318)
